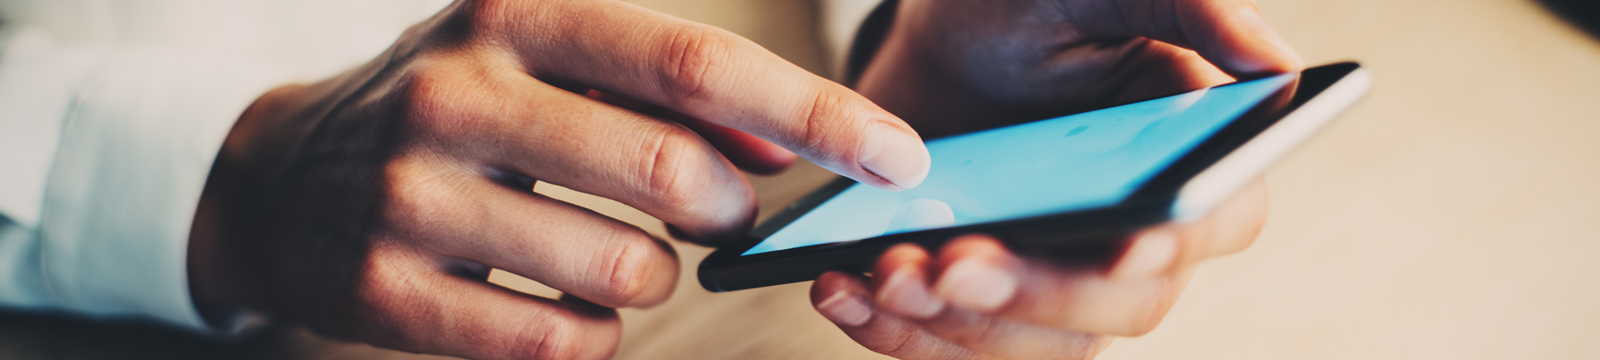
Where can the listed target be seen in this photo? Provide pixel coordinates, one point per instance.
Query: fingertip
(1152, 252)
(1258, 48)
(1234, 37)
(901, 255)
(832, 282)
(977, 273)
(971, 245)
(840, 298)
(902, 283)
(896, 157)
(728, 222)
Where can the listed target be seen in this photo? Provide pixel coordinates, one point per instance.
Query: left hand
(976, 300)
(945, 63)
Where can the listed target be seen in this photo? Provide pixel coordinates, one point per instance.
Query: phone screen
(1075, 162)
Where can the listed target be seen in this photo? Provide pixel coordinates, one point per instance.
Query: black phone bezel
(1086, 235)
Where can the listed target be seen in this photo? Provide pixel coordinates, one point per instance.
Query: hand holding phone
(958, 67)
(975, 295)
(1073, 187)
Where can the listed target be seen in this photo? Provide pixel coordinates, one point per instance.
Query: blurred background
(1452, 214)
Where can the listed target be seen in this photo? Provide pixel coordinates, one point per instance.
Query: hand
(371, 206)
(976, 300)
(950, 66)
(945, 63)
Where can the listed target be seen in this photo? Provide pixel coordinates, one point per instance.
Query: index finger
(713, 75)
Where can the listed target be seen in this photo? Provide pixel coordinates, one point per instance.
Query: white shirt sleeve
(103, 154)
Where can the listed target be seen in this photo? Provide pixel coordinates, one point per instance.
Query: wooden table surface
(1453, 214)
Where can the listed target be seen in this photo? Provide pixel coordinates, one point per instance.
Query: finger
(746, 151)
(901, 278)
(842, 299)
(716, 76)
(1013, 340)
(749, 152)
(975, 272)
(903, 290)
(412, 305)
(1229, 228)
(553, 135)
(575, 250)
(1230, 33)
(1041, 293)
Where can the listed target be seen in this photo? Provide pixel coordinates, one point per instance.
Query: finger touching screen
(1081, 161)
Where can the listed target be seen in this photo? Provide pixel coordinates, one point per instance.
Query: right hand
(372, 205)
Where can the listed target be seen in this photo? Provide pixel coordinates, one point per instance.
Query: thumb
(1231, 34)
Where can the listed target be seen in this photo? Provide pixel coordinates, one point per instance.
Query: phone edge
(1222, 179)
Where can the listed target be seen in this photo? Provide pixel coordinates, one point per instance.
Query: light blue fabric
(111, 114)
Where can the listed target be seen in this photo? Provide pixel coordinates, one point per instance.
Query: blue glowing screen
(1081, 161)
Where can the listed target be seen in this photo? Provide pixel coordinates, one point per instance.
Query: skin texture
(372, 205)
(946, 62)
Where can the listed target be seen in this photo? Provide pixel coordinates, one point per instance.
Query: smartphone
(1072, 188)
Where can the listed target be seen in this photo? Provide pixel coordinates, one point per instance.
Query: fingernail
(1150, 254)
(894, 155)
(1251, 17)
(846, 309)
(906, 292)
(977, 286)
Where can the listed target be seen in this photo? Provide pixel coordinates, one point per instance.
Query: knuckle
(627, 274)
(426, 91)
(821, 121)
(895, 345)
(442, 101)
(670, 171)
(681, 176)
(418, 197)
(691, 57)
(387, 295)
(478, 25)
(486, 14)
(547, 336)
(403, 206)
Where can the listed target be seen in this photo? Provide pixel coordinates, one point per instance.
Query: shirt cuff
(38, 78)
(136, 146)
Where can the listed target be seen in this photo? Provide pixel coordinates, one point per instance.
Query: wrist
(219, 265)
